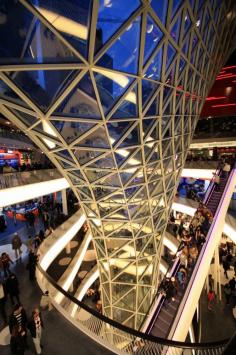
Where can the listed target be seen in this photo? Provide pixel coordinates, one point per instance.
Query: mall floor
(59, 336)
(219, 323)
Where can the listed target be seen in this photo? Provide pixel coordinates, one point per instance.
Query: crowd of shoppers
(192, 236)
(20, 325)
(6, 169)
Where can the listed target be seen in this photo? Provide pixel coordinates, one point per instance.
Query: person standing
(217, 182)
(12, 286)
(19, 318)
(17, 344)
(32, 265)
(16, 245)
(227, 292)
(226, 267)
(6, 260)
(210, 298)
(30, 243)
(35, 326)
(226, 169)
(45, 302)
(2, 302)
(14, 217)
(232, 283)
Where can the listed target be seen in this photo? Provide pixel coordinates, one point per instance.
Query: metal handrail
(120, 330)
(14, 179)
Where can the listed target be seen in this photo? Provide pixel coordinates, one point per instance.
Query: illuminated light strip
(87, 282)
(67, 278)
(228, 74)
(64, 24)
(215, 98)
(56, 247)
(13, 195)
(230, 232)
(169, 243)
(226, 77)
(224, 105)
(230, 67)
(48, 129)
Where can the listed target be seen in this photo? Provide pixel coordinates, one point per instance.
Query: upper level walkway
(24, 186)
(172, 319)
(19, 187)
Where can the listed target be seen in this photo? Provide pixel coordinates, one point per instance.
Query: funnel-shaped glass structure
(111, 91)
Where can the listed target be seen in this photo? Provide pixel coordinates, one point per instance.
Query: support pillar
(64, 202)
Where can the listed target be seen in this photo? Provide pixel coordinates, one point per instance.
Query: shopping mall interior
(118, 177)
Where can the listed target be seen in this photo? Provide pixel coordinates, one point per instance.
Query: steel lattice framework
(111, 91)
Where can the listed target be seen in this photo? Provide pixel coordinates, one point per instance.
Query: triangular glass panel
(148, 126)
(154, 70)
(72, 21)
(138, 179)
(42, 46)
(129, 192)
(119, 290)
(78, 173)
(182, 64)
(6, 93)
(122, 155)
(141, 195)
(132, 139)
(84, 156)
(148, 89)
(185, 46)
(45, 128)
(72, 130)
(104, 163)
(128, 107)
(112, 15)
(168, 166)
(86, 192)
(153, 109)
(43, 87)
(94, 174)
(100, 193)
(152, 39)
(175, 29)
(187, 23)
(160, 8)
(111, 86)
(170, 77)
(117, 130)
(75, 180)
(112, 180)
(96, 139)
(65, 154)
(64, 164)
(166, 148)
(25, 117)
(166, 125)
(171, 51)
(81, 101)
(127, 44)
(175, 6)
(135, 160)
(127, 175)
